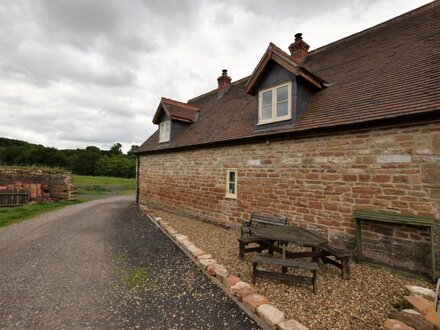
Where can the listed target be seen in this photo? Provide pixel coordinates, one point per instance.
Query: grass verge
(134, 277)
(10, 215)
(103, 185)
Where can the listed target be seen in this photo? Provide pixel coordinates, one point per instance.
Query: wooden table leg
(284, 269)
(241, 250)
(315, 281)
(345, 266)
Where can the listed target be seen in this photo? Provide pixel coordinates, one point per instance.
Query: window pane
(266, 112)
(267, 98)
(282, 94)
(282, 109)
(231, 183)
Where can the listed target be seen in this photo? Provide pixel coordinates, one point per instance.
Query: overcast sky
(75, 73)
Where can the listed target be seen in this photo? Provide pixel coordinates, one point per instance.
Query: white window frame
(228, 193)
(164, 135)
(274, 117)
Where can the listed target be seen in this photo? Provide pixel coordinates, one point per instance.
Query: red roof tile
(176, 110)
(388, 71)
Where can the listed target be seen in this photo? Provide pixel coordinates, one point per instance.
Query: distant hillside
(88, 161)
(4, 142)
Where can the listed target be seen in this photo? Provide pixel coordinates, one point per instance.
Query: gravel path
(363, 302)
(56, 269)
(176, 295)
(78, 267)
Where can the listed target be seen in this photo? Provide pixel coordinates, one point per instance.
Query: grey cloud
(172, 7)
(15, 100)
(297, 9)
(91, 132)
(41, 65)
(80, 18)
(95, 24)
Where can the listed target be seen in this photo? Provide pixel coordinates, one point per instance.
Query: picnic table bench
(342, 257)
(247, 237)
(285, 264)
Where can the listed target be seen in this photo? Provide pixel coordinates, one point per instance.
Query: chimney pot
(224, 83)
(299, 49)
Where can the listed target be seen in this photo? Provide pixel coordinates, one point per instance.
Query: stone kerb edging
(256, 306)
(418, 311)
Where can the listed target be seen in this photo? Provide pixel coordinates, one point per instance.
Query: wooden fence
(13, 198)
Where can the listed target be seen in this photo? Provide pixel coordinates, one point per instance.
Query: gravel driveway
(64, 270)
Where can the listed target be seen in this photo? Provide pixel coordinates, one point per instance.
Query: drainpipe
(137, 179)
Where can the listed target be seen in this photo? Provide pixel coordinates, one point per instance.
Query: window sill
(230, 196)
(266, 122)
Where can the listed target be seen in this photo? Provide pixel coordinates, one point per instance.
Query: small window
(231, 183)
(164, 131)
(275, 104)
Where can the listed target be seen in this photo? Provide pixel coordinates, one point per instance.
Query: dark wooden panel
(13, 198)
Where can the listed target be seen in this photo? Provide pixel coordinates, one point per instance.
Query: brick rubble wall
(317, 182)
(42, 185)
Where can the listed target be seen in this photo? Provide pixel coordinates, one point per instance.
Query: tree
(93, 148)
(117, 166)
(89, 161)
(132, 150)
(85, 162)
(116, 149)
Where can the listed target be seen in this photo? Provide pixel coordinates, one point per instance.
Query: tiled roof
(388, 71)
(274, 53)
(177, 110)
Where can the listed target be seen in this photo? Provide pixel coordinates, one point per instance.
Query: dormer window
(164, 131)
(275, 104)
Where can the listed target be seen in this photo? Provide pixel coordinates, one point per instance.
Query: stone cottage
(314, 136)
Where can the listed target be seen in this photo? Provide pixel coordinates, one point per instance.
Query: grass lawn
(103, 185)
(10, 215)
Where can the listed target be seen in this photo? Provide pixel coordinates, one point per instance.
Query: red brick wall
(41, 184)
(316, 182)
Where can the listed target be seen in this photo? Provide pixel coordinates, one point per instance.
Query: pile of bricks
(244, 292)
(41, 184)
(34, 190)
(418, 311)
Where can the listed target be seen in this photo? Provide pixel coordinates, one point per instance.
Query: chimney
(299, 49)
(224, 82)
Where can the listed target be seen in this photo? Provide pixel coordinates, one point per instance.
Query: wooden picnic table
(284, 235)
(320, 246)
(296, 235)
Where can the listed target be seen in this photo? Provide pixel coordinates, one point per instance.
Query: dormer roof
(176, 110)
(274, 53)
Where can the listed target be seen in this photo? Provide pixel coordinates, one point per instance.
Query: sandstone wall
(42, 185)
(317, 182)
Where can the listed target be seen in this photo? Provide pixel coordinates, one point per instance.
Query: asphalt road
(68, 269)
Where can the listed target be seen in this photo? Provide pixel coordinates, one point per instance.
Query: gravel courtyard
(363, 302)
(103, 265)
